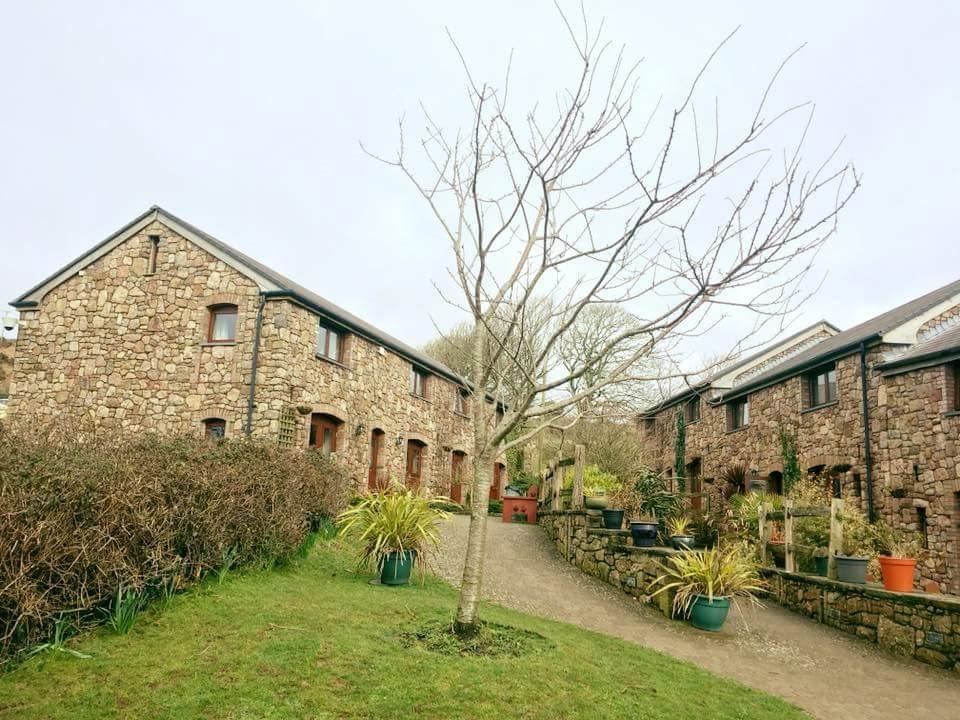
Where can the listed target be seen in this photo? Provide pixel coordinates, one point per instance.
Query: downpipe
(248, 429)
(867, 452)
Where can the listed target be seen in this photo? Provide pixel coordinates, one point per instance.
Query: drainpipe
(248, 430)
(867, 454)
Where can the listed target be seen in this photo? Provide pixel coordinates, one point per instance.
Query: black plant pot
(644, 533)
(612, 519)
(852, 569)
(681, 542)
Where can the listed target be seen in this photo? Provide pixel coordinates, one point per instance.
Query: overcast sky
(245, 119)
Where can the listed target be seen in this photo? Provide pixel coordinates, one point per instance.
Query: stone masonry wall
(919, 462)
(923, 627)
(127, 350)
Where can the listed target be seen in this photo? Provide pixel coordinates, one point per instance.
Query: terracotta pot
(897, 573)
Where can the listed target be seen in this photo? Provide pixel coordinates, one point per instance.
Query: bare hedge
(84, 516)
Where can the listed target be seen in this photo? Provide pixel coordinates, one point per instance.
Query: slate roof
(845, 342)
(941, 346)
(288, 288)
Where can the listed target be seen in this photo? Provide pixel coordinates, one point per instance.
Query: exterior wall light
(361, 429)
(399, 440)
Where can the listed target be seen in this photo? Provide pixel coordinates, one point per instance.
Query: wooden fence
(766, 517)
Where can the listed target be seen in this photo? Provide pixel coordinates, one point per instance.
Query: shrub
(598, 482)
(87, 519)
(495, 507)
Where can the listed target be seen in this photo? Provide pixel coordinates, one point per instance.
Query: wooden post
(557, 486)
(576, 500)
(764, 531)
(836, 536)
(790, 563)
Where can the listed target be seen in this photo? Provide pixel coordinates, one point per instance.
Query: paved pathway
(829, 674)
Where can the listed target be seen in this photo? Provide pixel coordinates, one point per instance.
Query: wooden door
(376, 478)
(456, 476)
(498, 469)
(415, 453)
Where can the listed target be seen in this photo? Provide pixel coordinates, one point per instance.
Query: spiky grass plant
(393, 521)
(678, 525)
(63, 630)
(123, 613)
(727, 571)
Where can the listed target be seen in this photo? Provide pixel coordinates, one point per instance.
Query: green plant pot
(396, 566)
(681, 542)
(821, 564)
(612, 519)
(707, 615)
(595, 502)
(852, 569)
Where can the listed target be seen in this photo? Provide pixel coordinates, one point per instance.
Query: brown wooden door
(497, 479)
(376, 478)
(456, 476)
(414, 463)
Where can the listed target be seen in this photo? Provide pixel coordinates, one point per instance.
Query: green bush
(495, 507)
(87, 519)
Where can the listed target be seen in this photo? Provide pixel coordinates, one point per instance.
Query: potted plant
(821, 560)
(651, 500)
(597, 487)
(898, 561)
(704, 583)
(679, 530)
(859, 543)
(392, 528)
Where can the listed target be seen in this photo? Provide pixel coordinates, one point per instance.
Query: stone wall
(923, 627)
(126, 349)
(919, 464)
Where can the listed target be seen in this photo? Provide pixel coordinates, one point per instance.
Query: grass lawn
(317, 641)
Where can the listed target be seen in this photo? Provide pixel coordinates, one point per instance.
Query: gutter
(867, 454)
(248, 430)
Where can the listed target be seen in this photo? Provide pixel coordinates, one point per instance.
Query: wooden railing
(766, 517)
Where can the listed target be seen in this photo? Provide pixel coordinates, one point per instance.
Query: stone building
(162, 327)
(894, 375)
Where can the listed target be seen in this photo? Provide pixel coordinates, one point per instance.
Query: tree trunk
(467, 622)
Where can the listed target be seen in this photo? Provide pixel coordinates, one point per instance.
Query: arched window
(416, 452)
(215, 428)
(223, 324)
(323, 432)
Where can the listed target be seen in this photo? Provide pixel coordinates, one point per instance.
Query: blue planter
(644, 533)
(709, 615)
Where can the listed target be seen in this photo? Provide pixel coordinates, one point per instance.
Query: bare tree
(591, 206)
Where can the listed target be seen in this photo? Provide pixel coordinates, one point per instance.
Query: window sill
(333, 362)
(420, 397)
(821, 406)
(739, 429)
(952, 413)
(461, 415)
(208, 344)
(688, 423)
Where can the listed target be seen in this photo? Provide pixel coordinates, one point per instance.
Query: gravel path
(827, 673)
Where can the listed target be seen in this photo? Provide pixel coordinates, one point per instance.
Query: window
(822, 386)
(154, 249)
(415, 453)
(922, 526)
(223, 324)
(323, 432)
(418, 382)
(738, 414)
(329, 343)
(215, 428)
(691, 411)
(649, 426)
(461, 404)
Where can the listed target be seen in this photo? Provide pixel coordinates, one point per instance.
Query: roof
(845, 342)
(271, 283)
(739, 365)
(941, 347)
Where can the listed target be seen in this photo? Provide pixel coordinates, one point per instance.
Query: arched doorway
(377, 475)
(458, 460)
(416, 452)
